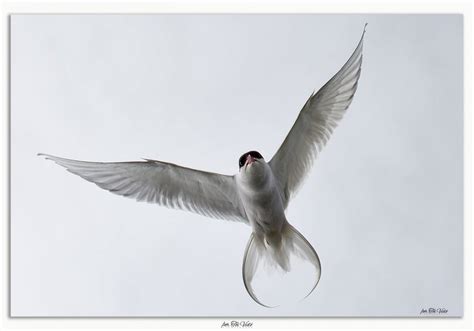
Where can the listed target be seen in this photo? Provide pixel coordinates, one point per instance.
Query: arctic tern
(258, 194)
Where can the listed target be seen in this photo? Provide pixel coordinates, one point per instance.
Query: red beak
(250, 159)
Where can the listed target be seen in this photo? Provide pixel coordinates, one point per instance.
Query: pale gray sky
(382, 206)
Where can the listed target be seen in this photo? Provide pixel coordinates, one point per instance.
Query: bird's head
(251, 161)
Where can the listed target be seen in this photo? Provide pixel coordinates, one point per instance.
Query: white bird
(258, 194)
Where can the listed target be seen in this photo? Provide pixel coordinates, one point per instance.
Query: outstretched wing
(166, 184)
(315, 124)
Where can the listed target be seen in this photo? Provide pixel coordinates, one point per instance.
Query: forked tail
(279, 259)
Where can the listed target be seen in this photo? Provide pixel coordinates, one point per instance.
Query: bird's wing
(314, 125)
(166, 184)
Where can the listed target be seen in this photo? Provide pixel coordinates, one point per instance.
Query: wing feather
(166, 184)
(315, 124)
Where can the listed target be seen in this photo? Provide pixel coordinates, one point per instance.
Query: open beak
(249, 160)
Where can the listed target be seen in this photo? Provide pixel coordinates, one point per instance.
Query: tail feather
(292, 243)
(306, 251)
(251, 258)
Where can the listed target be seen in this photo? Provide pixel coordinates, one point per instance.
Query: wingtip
(361, 41)
(46, 156)
(365, 28)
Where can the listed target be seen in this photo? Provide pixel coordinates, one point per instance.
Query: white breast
(261, 198)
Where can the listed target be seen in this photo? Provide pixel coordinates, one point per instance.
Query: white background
(383, 205)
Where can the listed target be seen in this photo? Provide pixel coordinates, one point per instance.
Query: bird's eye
(242, 160)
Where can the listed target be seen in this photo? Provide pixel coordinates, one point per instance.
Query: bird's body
(257, 195)
(261, 198)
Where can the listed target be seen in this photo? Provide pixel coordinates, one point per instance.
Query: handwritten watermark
(433, 311)
(236, 325)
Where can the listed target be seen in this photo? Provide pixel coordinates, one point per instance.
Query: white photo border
(244, 6)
